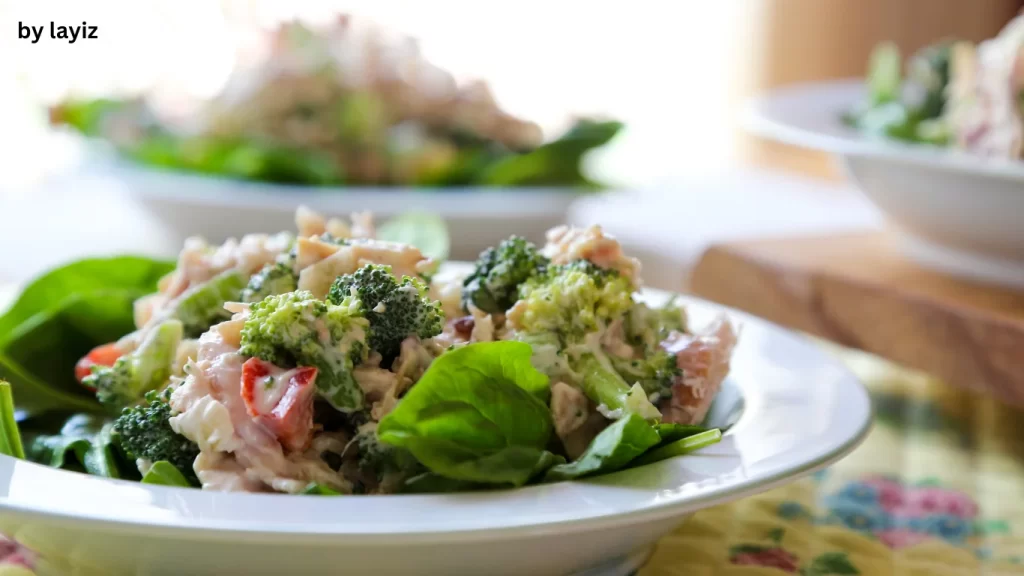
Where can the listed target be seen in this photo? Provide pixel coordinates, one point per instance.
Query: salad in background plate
(347, 104)
(957, 94)
(332, 362)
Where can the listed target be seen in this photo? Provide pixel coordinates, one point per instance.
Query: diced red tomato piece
(281, 400)
(103, 355)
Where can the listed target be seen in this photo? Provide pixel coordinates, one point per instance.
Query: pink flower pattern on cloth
(896, 498)
(13, 553)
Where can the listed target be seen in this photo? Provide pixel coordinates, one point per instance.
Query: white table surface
(81, 214)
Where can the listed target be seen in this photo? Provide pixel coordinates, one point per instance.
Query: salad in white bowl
(939, 153)
(292, 403)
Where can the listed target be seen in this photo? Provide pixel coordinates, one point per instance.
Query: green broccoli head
(203, 306)
(145, 432)
(395, 308)
(273, 279)
(297, 329)
(567, 303)
(573, 300)
(494, 284)
(147, 368)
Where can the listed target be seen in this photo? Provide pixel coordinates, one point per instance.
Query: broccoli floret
(655, 372)
(147, 368)
(646, 327)
(145, 433)
(273, 279)
(494, 284)
(203, 306)
(575, 302)
(297, 329)
(395, 308)
(388, 466)
(574, 299)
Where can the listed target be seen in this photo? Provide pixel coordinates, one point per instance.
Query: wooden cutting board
(858, 291)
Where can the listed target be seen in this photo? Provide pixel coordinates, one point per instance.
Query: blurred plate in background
(957, 212)
(219, 208)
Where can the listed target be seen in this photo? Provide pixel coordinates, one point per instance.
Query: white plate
(218, 208)
(958, 212)
(798, 410)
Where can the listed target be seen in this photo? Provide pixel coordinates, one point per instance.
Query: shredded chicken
(566, 244)
(569, 408)
(383, 387)
(576, 442)
(199, 262)
(704, 360)
(449, 294)
(483, 326)
(613, 340)
(414, 358)
(216, 376)
(983, 108)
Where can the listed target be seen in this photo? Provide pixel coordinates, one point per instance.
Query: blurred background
(675, 74)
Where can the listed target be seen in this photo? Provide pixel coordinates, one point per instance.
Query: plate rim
(181, 187)
(760, 116)
(662, 504)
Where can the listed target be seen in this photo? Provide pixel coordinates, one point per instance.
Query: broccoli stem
(10, 437)
(604, 386)
(680, 447)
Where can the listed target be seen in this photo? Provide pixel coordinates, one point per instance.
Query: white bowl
(957, 212)
(798, 410)
(217, 208)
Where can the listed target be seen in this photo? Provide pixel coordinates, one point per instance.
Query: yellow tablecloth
(937, 489)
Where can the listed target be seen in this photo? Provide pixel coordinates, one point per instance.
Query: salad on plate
(333, 362)
(344, 104)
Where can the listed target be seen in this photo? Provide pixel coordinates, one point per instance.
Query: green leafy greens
(164, 473)
(478, 414)
(428, 232)
(10, 437)
(60, 317)
(611, 450)
(86, 443)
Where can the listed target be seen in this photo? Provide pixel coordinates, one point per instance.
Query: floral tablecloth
(937, 489)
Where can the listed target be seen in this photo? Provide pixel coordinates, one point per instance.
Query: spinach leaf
(476, 415)
(36, 397)
(62, 315)
(680, 447)
(49, 291)
(315, 489)
(10, 437)
(86, 443)
(48, 345)
(164, 473)
(556, 163)
(610, 450)
(428, 232)
(670, 432)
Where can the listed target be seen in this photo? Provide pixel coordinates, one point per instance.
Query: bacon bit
(464, 326)
(704, 359)
(103, 355)
(291, 417)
